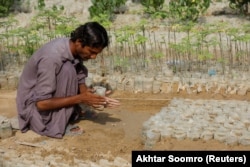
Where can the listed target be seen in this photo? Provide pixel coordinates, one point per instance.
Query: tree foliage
(104, 7)
(242, 5)
(153, 4)
(5, 6)
(188, 9)
(154, 8)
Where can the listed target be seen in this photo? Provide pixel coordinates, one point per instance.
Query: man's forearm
(57, 102)
(85, 96)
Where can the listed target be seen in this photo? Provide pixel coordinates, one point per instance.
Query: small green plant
(188, 9)
(5, 6)
(41, 4)
(242, 5)
(103, 20)
(106, 7)
(154, 8)
(153, 4)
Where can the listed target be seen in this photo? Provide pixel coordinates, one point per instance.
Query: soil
(115, 132)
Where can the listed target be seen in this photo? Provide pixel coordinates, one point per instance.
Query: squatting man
(52, 84)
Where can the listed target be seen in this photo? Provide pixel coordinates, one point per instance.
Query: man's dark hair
(91, 34)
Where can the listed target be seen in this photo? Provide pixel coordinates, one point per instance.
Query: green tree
(105, 7)
(41, 4)
(154, 5)
(5, 6)
(154, 8)
(187, 10)
(242, 5)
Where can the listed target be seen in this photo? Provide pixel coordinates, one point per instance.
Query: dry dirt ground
(116, 132)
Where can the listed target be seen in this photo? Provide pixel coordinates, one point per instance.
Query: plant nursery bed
(114, 133)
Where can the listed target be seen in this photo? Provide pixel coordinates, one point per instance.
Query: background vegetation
(149, 45)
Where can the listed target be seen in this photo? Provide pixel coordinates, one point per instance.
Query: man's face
(86, 52)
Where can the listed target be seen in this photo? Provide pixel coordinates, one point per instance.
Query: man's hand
(92, 99)
(111, 103)
(108, 92)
